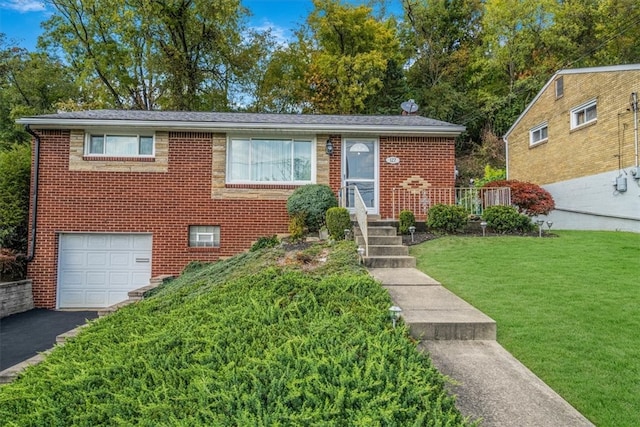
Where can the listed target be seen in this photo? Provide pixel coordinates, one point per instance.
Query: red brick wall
(165, 204)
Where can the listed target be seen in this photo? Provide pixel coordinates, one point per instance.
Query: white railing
(361, 217)
(473, 200)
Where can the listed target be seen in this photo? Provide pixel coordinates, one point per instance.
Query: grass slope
(567, 307)
(261, 340)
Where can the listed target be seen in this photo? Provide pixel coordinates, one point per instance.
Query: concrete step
(434, 313)
(378, 231)
(390, 262)
(380, 240)
(393, 250)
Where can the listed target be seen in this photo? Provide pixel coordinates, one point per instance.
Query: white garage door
(98, 270)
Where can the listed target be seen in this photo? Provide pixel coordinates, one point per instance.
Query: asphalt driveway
(24, 335)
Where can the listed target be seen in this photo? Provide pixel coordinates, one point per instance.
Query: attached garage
(96, 270)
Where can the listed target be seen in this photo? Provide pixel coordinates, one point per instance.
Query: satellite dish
(409, 107)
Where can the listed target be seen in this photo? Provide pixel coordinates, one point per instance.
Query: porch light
(329, 147)
(483, 224)
(394, 313)
(412, 229)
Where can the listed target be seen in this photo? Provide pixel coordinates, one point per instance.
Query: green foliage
(15, 172)
(312, 200)
(240, 342)
(12, 266)
(297, 227)
(507, 219)
(490, 175)
(531, 199)
(406, 219)
(447, 218)
(265, 242)
(338, 220)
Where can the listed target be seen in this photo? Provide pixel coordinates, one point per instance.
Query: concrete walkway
(490, 384)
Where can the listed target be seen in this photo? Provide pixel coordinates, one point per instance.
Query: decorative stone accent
(415, 184)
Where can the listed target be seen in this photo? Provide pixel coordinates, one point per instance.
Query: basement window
(204, 236)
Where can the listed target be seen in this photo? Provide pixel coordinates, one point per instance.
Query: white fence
(473, 200)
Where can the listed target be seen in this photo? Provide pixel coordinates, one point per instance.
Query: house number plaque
(393, 160)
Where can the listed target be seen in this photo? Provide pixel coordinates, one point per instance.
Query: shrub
(338, 220)
(531, 199)
(296, 227)
(15, 172)
(406, 220)
(507, 219)
(313, 200)
(447, 218)
(265, 242)
(12, 265)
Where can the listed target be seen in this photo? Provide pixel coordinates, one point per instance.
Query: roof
(569, 71)
(238, 122)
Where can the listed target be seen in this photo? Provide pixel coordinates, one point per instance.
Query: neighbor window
(204, 236)
(120, 145)
(538, 134)
(559, 87)
(584, 114)
(269, 160)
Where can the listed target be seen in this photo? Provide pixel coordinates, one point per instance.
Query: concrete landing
(490, 384)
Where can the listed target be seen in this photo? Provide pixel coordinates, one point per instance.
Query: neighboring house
(578, 139)
(121, 196)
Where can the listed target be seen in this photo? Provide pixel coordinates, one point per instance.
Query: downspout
(34, 194)
(506, 157)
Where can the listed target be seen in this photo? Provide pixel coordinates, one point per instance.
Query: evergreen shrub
(447, 218)
(406, 219)
(338, 220)
(507, 219)
(313, 201)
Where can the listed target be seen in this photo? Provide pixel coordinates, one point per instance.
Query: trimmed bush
(296, 227)
(406, 219)
(338, 220)
(507, 219)
(15, 173)
(531, 199)
(447, 218)
(313, 200)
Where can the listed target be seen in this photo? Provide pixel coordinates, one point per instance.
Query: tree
(15, 172)
(350, 56)
(149, 54)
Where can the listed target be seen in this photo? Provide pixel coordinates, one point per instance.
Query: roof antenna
(409, 108)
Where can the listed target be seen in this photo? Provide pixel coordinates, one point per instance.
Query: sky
(20, 19)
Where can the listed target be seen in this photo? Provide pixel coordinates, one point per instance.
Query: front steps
(385, 248)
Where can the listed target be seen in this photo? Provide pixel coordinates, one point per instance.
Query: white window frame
(559, 86)
(535, 134)
(257, 138)
(104, 134)
(204, 236)
(583, 109)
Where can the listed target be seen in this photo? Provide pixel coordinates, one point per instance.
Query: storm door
(360, 169)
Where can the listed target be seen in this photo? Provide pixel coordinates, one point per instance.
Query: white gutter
(49, 123)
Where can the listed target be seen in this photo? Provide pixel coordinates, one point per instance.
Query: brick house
(122, 196)
(578, 139)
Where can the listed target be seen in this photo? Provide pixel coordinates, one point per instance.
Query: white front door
(360, 169)
(97, 270)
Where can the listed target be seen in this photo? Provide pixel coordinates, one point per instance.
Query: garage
(96, 270)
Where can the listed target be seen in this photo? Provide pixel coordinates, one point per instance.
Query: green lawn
(568, 307)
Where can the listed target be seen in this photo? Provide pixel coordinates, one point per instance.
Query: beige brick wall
(589, 150)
